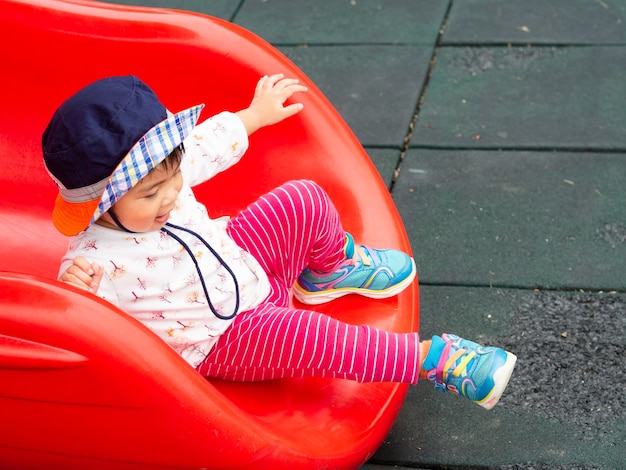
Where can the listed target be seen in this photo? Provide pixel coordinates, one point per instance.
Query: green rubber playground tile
(557, 411)
(536, 22)
(347, 22)
(436, 431)
(377, 106)
(512, 97)
(522, 219)
(224, 9)
(385, 161)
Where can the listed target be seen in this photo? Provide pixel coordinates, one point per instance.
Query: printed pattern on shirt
(151, 276)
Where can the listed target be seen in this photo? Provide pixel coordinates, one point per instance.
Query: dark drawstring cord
(195, 262)
(118, 223)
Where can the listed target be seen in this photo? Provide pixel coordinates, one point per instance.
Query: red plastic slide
(83, 385)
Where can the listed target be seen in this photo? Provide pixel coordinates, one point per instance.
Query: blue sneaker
(477, 372)
(378, 274)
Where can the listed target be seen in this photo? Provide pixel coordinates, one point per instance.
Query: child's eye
(151, 195)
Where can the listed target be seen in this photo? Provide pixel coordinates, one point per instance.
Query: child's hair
(174, 158)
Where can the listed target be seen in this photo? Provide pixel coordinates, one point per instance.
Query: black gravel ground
(551, 467)
(572, 351)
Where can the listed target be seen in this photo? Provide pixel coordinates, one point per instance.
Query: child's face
(147, 206)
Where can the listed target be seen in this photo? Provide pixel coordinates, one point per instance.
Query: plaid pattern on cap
(146, 155)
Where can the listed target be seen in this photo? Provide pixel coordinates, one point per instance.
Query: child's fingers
(292, 109)
(276, 82)
(273, 80)
(82, 264)
(293, 89)
(289, 85)
(266, 83)
(97, 277)
(260, 85)
(76, 281)
(76, 275)
(83, 274)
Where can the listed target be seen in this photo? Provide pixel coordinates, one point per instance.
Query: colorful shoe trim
(366, 271)
(477, 372)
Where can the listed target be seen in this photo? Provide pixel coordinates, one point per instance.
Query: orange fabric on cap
(72, 218)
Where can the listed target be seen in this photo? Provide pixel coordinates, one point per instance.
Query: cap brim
(146, 154)
(72, 218)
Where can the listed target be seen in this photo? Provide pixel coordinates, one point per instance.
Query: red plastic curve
(83, 385)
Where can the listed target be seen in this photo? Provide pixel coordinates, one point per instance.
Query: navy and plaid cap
(102, 141)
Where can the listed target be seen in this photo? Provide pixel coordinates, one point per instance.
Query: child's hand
(267, 107)
(83, 274)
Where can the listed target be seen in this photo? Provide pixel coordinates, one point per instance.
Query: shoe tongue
(349, 247)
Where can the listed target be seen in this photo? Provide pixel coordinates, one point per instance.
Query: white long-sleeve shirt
(151, 275)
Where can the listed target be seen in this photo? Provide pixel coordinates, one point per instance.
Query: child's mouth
(161, 219)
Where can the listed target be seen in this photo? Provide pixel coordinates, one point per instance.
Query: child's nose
(171, 195)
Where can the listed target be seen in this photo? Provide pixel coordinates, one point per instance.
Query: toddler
(217, 290)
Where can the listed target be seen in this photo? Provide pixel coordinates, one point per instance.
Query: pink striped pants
(288, 229)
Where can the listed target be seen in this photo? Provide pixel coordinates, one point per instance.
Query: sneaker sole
(501, 380)
(316, 298)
